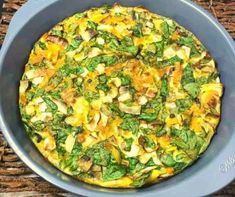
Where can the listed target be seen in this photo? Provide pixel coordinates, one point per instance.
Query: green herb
(213, 76)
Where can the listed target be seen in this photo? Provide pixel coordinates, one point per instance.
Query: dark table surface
(16, 179)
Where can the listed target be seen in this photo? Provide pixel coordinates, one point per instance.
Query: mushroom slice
(123, 90)
(104, 119)
(151, 92)
(124, 97)
(142, 100)
(113, 92)
(61, 106)
(92, 125)
(57, 40)
(23, 86)
(94, 52)
(135, 109)
(115, 81)
(69, 143)
(88, 34)
(116, 154)
(134, 151)
(85, 163)
(100, 68)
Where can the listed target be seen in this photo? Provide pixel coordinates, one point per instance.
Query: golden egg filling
(120, 97)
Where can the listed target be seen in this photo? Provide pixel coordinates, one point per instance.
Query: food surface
(120, 97)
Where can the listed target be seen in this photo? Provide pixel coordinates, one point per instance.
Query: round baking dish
(214, 170)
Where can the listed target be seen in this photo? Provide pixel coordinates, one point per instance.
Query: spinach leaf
(39, 125)
(164, 92)
(137, 30)
(128, 144)
(90, 96)
(160, 132)
(42, 45)
(187, 75)
(109, 60)
(165, 30)
(160, 48)
(93, 62)
(193, 89)
(188, 41)
(113, 172)
(75, 43)
(71, 161)
(148, 116)
(115, 109)
(92, 25)
(130, 123)
(189, 83)
(149, 143)
(141, 180)
(50, 103)
(126, 45)
(169, 62)
(103, 79)
(125, 80)
(183, 104)
(168, 160)
(99, 155)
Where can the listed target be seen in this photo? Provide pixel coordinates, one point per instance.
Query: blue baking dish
(214, 170)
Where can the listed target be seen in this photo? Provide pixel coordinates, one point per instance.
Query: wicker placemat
(16, 179)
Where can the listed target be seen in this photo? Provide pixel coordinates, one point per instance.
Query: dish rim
(13, 142)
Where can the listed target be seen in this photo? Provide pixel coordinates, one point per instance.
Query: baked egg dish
(120, 97)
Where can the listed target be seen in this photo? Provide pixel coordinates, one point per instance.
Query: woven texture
(16, 179)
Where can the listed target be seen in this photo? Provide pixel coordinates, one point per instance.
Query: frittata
(120, 97)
